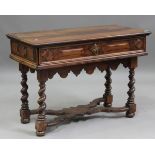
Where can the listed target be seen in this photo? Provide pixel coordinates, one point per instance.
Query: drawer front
(90, 49)
(69, 52)
(116, 47)
(23, 51)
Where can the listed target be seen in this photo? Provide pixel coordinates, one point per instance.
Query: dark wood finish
(51, 37)
(67, 115)
(107, 95)
(89, 68)
(131, 103)
(56, 48)
(41, 123)
(24, 111)
(73, 50)
(89, 49)
(24, 51)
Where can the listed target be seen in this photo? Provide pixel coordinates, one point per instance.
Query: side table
(72, 50)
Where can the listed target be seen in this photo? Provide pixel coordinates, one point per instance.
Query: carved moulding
(89, 68)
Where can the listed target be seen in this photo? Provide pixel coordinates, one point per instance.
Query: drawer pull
(95, 49)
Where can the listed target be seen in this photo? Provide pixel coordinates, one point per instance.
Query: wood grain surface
(57, 36)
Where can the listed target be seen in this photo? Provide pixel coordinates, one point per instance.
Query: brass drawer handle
(95, 49)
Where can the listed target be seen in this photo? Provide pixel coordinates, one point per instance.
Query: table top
(50, 37)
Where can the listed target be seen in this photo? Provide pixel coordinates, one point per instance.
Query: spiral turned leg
(130, 103)
(107, 95)
(24, 111)
(41, 123)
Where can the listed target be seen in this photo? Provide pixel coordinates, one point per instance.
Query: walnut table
(71, 50)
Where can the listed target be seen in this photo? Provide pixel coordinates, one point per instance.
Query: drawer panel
(23, 51)
(90, 49)
(69, 52)
(116, 47)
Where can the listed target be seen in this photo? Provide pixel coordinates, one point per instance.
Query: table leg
(107, 95)
(24, 111)
(41, 122)
(131, 103)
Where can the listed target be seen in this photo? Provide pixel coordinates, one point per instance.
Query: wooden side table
(71, 50)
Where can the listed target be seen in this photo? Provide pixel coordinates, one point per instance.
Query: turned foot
(131, 112)
(108, 101)
(40, 127)
(25, 116)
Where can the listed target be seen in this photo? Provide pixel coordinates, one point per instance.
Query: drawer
(70, 52)
(94, 49)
